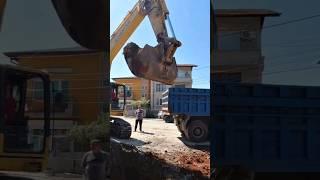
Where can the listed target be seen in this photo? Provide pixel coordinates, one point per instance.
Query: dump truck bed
(190, 101)
(267, 128)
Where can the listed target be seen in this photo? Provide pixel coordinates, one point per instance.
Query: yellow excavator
(118, 98)
(155, 63)
(86, 22)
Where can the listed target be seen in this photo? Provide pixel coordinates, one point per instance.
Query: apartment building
(238, 56)
(136, 88)
(184, 80)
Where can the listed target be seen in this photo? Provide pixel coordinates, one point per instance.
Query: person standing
(139, 118)
(94, 162)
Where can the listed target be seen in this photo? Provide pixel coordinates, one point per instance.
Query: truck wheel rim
(197, 132)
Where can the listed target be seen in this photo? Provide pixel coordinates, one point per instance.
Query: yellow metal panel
(24, 161)
(21, 164)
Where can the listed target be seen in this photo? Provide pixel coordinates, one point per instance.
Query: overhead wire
(281, 23)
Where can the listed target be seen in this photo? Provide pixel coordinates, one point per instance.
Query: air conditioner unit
(247, 35)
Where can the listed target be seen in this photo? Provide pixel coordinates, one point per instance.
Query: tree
(145, 104)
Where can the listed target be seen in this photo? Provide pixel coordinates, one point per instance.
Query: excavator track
(120, 128)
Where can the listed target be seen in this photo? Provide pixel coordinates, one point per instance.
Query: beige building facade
(238, 56)
(183, 80)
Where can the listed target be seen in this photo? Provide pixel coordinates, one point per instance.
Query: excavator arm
(154, 63)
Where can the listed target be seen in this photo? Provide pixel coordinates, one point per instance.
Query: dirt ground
(165, 142)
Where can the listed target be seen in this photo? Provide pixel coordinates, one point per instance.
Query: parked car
(160, 114)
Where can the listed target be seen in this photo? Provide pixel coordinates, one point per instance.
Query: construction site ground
(164, 141)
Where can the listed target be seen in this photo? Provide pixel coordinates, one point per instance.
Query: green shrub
(83, 134)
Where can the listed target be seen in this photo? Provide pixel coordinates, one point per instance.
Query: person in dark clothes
(139, 118)
(94, 162)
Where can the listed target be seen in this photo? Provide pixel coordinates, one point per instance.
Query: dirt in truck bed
(163, 141)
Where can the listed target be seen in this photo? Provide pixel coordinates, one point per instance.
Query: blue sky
(191, 23)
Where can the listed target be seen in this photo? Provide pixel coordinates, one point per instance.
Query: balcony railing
(34, 109)
(224, 58)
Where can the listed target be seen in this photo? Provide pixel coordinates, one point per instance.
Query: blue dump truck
(190, 109)
(266, 128)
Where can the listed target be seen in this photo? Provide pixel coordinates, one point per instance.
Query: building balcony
(34, 110)
(184, 78)
(227, 58)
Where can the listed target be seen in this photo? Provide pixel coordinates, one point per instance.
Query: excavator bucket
(148, 63)
(85, 21)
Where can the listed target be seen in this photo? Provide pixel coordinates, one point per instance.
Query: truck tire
(168, 119)
(197, 131)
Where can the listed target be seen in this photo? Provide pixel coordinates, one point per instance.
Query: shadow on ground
(204, 146)
(143, 132)
(131, 141)
(6, 177)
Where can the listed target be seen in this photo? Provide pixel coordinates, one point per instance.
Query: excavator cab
(24, 118)
(118, 99)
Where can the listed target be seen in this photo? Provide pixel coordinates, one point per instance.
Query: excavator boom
(154, 63)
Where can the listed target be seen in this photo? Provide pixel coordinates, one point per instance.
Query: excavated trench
(128, 162)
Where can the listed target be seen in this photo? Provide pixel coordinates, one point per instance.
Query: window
(163, 87)
(143, 91)
(60, 95)
(159, 101)
(128, 91)
(227, 77)
(180, 86)
(38, 90)
(249, 40)
(244, 40)
(229, 41)
(158, 87)
(181, 74)
(62, 143)
(188, 75)
(20, 107)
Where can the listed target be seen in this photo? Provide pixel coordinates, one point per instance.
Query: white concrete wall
(181, 80)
